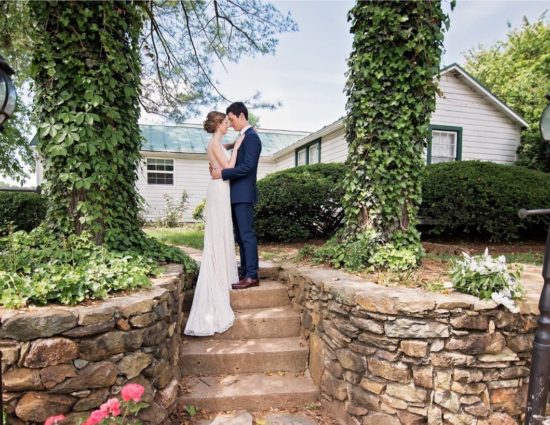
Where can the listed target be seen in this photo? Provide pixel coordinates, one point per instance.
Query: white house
(469, 123)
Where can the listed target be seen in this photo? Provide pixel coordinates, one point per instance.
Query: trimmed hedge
(482, 199)
(300, 203)
(469, 199)
(22, 210)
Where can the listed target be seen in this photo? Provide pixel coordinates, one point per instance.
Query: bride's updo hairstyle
(213, 120)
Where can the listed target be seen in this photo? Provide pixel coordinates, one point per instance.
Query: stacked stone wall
(69, 360)
(389, 356)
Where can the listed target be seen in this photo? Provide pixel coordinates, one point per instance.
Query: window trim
(449, 128)
(306, 148)
(173, 172)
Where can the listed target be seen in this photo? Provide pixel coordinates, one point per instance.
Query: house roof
(191, 138)
(476, 85)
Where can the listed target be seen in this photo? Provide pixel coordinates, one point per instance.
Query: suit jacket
(243, 177)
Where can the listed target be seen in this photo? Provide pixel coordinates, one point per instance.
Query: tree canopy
(517, 70)
(178, 43)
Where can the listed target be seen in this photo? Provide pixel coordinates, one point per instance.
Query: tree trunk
(391, 95)
(86, 71)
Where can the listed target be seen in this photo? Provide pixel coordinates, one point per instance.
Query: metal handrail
(526, 213)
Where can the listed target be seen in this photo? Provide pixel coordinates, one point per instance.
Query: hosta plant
(488, 278)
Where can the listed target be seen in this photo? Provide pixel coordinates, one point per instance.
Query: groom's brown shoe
(245, 283)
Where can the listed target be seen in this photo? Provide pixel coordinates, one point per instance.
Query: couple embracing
(229, 216)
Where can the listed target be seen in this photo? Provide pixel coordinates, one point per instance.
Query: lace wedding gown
(211, 311)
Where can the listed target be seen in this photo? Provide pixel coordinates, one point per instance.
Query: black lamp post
(539, 377)
(8, 97)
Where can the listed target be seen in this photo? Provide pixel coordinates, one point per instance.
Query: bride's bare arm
(236, 147)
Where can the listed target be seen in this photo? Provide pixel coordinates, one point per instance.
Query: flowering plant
(488, 278)
(112, 411)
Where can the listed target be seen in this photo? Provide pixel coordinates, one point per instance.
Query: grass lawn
(188, 235)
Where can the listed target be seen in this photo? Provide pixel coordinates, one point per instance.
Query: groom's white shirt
(244, 129)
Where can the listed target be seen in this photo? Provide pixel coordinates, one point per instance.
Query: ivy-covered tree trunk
(86, 70)
(391, 94)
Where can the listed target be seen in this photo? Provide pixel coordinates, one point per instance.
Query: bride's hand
(238, 142)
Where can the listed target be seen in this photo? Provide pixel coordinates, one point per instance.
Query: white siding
(487, 133)
(265, 167)
(334, 147)
(288, 160)
(190, 174)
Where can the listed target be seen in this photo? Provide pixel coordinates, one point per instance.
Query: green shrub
(300, 203)
(482, 199)
(21, 211)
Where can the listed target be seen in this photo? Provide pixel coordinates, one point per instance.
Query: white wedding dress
(211, 310)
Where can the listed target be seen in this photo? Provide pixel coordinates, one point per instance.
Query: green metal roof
(191, 138)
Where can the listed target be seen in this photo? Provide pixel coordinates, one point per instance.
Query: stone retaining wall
(388, 356)
(71, 359)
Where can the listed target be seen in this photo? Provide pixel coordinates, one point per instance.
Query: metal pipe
(539, 377)
(526, 213)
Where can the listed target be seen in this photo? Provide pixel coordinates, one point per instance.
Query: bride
(211, 310)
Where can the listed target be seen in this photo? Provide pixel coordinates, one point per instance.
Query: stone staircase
(261, 362)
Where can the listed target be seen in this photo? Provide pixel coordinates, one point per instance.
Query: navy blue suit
(244, 194)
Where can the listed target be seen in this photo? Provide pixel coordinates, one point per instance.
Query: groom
(244, 194)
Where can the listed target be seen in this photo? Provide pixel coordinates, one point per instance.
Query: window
(445, 144)
(160, 171)
(301, 157)
(309, 154)
(313, 156)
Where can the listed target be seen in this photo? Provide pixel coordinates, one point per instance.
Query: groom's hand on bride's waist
(216, 173)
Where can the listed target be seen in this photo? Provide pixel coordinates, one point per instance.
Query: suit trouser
(245, 235)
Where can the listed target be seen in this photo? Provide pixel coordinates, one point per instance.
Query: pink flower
(111, 406)
(132, 392)
(96, 417)
(52, 420)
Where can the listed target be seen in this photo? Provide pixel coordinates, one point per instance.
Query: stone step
(252, 392)
(268, 294)
(269, 270)
(274, 322)
(221, 357)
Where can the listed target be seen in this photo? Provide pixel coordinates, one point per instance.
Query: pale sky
(307, 72)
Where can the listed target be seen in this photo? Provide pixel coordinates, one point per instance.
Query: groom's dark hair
(237, 108)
